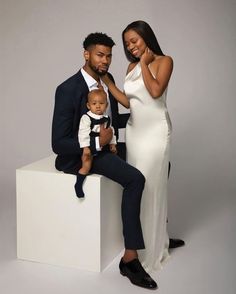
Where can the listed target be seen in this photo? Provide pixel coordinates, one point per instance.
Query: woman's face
(134, 43)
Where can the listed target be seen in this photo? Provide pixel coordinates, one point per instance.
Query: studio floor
(207, 264)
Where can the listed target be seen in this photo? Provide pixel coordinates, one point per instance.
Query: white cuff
(98, 147)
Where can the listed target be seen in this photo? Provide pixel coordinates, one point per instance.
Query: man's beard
(97, 71)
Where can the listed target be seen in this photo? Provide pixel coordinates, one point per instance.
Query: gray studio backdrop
(41, 45)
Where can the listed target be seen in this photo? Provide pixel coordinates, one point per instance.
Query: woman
(148, 132)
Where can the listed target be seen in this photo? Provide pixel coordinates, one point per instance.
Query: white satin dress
(148, 140)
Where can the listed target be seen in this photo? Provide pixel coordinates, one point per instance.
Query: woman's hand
(147, 57)
(118, 95)
(105, 78)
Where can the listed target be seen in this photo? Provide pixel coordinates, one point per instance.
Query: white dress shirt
(92, 85)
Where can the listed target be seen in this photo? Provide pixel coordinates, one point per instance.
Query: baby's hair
(96, 92)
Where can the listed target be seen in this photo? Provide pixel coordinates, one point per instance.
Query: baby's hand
(113, 148)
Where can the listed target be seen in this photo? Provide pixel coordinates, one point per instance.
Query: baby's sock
(78, 185)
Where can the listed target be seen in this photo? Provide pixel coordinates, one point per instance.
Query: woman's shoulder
(163, 59)
(162, 63)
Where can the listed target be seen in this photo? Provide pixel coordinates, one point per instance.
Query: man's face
(98, 58)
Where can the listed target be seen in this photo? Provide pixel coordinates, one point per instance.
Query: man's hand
(105, 136)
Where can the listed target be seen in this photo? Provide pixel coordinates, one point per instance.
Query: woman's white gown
(147, 140)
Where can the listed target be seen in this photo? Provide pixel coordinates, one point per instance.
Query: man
(70, 105)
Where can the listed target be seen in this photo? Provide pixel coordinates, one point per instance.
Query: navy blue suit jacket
(70, 105)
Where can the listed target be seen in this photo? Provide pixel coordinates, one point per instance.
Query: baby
(90, 126)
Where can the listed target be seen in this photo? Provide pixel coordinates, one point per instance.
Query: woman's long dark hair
(144, 30)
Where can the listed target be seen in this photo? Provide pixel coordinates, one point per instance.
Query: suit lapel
(81, 94)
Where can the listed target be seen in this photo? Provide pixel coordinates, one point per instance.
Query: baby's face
(97, 104)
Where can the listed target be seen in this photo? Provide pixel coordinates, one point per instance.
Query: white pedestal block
(56, 227)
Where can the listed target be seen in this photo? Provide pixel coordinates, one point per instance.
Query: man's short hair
(98, 39)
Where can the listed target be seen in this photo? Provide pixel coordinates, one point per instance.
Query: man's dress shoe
(175, 243)
(137, 275)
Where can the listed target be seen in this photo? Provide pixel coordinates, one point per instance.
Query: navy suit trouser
(132, 181)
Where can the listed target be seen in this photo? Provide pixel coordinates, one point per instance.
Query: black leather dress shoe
(137, 275)
(175, 243)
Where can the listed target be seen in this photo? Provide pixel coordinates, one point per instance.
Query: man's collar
(90, 81)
